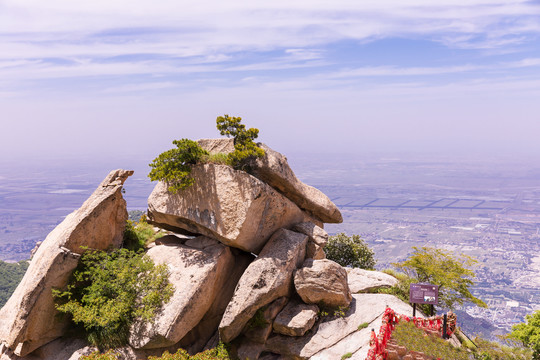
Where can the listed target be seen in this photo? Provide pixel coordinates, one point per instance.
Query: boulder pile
(250, 270)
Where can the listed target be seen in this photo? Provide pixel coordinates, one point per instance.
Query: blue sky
(116, 78)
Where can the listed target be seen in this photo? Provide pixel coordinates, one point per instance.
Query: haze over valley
(487, 209)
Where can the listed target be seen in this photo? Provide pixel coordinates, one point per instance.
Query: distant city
(485, 209)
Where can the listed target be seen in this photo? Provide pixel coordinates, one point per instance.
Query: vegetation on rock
(174, 166)
(137, 235)
(350, 251)
(450, 272)
(528, 333)
(244, 146)
(10, 276)
(108, 291)
(489, 350)
(221, 352)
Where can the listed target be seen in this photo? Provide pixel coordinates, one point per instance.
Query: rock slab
(274, 170)
(361, 280)
(296, 319)
(28, 320)
(225, 204)
(267, 278)
(197, 275)
(322, 282)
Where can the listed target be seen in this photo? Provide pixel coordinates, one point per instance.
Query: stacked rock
(250, 272)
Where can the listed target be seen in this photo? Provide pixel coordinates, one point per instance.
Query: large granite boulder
(267, 278)
(28, 320)
(274, 170)
(361, 280)
(225, 204)
(322, 282)
(198, 274)
(200, 335)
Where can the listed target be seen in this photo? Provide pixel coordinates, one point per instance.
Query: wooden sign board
(424, 294)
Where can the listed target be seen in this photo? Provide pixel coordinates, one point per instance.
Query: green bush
(10, 276)
(174, 166)
(350, 251)
(528, 333)
(244, 146)
(221, 352)
(108, 291)
(489, 350)
(138, 235)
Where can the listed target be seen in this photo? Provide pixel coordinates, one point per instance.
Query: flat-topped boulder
(267, 278)
(274, 170)
(361, 280)
(198, 273)
(225, 204)
(28, 320)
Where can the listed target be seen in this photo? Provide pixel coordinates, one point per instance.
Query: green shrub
(174, 166)
(138, 235)
(363, 326)
(221, 352)
(346, 356)
(528, 333)
(244, 146)
(10, 276)
(489, 350)
(108, 291)
(350, 251)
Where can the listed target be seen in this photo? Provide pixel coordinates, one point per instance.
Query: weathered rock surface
(260, 332)
(249, 350)
(274, 170)
(295, 319)
(267, 278)
(198, 275)
(318, 238)
(325, 339)
(357, 342)
(28, 320)
(361, 280)
(228, 205)
(200, 335)
(322, 282)
(214, 146)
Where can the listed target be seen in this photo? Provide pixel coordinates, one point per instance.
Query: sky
(120, 78)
